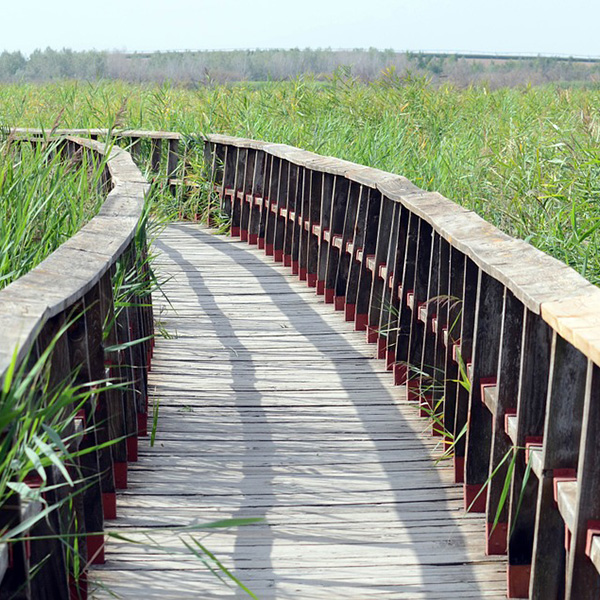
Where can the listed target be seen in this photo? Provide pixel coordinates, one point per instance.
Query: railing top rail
(566, 301)
(78, 264)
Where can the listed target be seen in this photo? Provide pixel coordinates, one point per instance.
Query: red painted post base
(413, 390)
(372, 334)
(425, 405)
(278, 255)
(518, 581)
(253, 239)
(120, 473)
(360, 322)
(329, 296)
(311, 280)
(95, 548)
(349, 311)
(261, 243)
(320, 287)
(381, 347)
(244, 235)
(235, 232)
(287, 260)
(78, 588)
(295, 267)
(459, 469)
(269, 250)
(390, 359)
(475, 499)
(109, 505)
(339, 302)
(400, 374)
(132, 448)
(302, 274)
(496, 539)
(142, 420)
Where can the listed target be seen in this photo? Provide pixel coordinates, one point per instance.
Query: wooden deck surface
(272, 406)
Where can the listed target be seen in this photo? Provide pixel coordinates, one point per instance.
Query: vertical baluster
(247, 199)
(339, 203)
(340, 299)
(257, 199)
(314, 217)
(502, 400)
(395, 283)
(289, 251)
(583, 580)
(324, 231)
(560, 450)
(482, 371)
(366, 248)
(416, 296)
(531, 403)
(281, 211)
(462, 353)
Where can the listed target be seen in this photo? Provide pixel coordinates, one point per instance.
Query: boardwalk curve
(272, 406)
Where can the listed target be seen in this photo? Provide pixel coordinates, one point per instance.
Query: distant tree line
(205, 67)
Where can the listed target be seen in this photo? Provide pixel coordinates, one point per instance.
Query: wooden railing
(100, 340)
(497, 342)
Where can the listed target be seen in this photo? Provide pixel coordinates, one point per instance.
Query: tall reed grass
(526, 159)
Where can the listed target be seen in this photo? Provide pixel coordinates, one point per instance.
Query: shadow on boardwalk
(402, 536)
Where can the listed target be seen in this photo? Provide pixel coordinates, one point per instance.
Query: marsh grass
(44, 200)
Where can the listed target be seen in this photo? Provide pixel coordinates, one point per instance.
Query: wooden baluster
(386, 271)
(282, 203)
(173, 166)
(531, 404)
(241, 159)
(265, 229)
(94, 320)
(290, 249)
(367, 248)
(314, 217)
(583, 579)
(155, 155)
(91, 495)
(462, 352)
(560, 453)
(340, 299)
(501, 400)
(482, 371)
(404, 287)
(416, 296)
(324, 231)
(373, 260)
(302, 217)
(229, 171)
(339, 202)
(247, 199)
(397, 271)
(425, 311)
(439, 322)
(114, 397)
(258, 192)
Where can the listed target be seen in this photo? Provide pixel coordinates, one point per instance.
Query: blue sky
(527, 26)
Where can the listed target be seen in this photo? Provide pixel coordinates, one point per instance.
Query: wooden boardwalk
(272, 406)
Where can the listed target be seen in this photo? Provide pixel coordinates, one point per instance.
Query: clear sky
(528, 26)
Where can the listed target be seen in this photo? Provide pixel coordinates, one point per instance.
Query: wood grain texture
(294, 422)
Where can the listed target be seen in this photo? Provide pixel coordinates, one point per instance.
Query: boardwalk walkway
(271, 406)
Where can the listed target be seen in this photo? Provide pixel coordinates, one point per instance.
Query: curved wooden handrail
(498, 342)
(78, 264)
(544, 284)
(67, 303)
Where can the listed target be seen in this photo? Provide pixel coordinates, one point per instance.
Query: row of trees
(261, 65)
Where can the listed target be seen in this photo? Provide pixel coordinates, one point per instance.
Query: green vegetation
(43, 201)
(527, 159)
